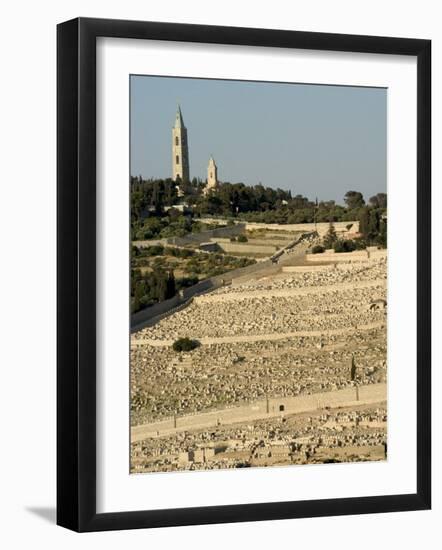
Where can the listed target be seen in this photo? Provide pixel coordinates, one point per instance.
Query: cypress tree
(352, 368)
(170, 285)
(331, 237)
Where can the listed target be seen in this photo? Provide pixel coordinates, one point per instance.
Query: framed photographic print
(243, 274)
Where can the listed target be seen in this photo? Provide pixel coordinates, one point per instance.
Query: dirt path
(267, 293)
(207, 340)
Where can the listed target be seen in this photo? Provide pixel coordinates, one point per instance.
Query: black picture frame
(76, 274)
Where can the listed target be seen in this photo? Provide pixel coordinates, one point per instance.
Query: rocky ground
(326, 436)
(324, 321)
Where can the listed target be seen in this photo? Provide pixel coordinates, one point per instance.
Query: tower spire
(212, 176)
(180, 150)
(179, 122)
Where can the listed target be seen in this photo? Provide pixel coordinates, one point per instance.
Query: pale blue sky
(314, 140)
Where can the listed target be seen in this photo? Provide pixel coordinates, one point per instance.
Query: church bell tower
(180, 150)
(212, 176)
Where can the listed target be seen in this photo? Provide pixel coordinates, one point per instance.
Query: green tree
(354, 199)
(160, 284)
(170, 285)
(379, 200)
(381, 238)
(185, 344)
(330, 237)
(373, 223)
(364, 222)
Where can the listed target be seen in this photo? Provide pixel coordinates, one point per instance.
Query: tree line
(152, 273)
(151, 287)
(250, 203)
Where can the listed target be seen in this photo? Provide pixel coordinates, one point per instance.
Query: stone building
(180, 150)
(212, 176)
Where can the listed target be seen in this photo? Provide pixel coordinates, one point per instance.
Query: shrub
(180, 252)
(242, 239)
(360, 244)
(185, 282)
(232, 239)
(185, 344)
(318, 249)
(344, 246)
(339, 247)
(154, 250)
